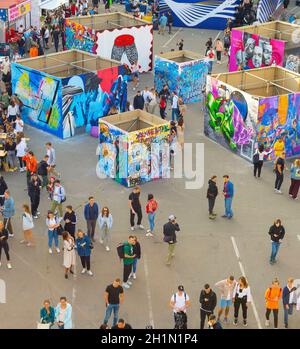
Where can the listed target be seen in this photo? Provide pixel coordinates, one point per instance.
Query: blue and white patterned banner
(267, 8)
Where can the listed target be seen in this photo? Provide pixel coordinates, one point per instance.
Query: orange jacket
(273, 296)
(31, 163)
(33, 52)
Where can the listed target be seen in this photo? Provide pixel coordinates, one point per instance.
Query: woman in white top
(152, 101)
(242, 297)
(69, 253)
(12, 111)
(258, 159)
(19, 124)
(27, 224)
(52, 224)
(105, 221)
(21, 151)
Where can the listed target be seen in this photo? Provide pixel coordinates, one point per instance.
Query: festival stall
(247, 108)
(272, 43)
(134, 147)
(183, 71)
(63, 92)
(114, 36)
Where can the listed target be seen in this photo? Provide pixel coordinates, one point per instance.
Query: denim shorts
(225, 303)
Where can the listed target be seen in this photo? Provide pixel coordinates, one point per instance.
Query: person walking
(258, 160)
(34, 192)
(295, 179)
(59, 196)
(175, 109)
(210, 58)
(179, 302)
(242, 297)
(21, 148)
(52, 225)
(69, 253)
(151, 209)
(47, 314)
(70, 220)
(105, 221)
(162, 24)
(288, 300)
(135, 208)
(51, 161)
(212, 193)
(219, 49)
(56, 35)
(31, 165)
(128, 259)
(228, 193)
(170, 21)
(8, 211)
(279, 167)
(114, 297)
(227, 288)
(272, 296)
(208, 302)
(27, 225)
(4, 244)
(84, 244)
(43, 170)
(63, 314)
(91, 213)
(276, 233)
(169, 231)
(137, 251)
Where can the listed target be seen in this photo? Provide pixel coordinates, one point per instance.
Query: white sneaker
(22, 241)
(125, 285)
(107, 248)
(9, 266)
(132, 228)
(50, 250)
(279, 191)
(11, 235)
(101, 242)
(83, 271)
(267, 323)
(90, 273)
(134, 276)
(57, 250)
(148, 231)
(148, 234)
(129, 282)
(141, 227)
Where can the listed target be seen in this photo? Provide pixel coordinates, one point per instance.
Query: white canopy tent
(50, 5)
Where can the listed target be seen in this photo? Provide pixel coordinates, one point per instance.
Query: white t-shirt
(175, 102)
(12, 110)
(46, 34)
(180, 301)
(19, 125)
(146, 95)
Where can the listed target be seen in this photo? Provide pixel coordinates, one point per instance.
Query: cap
(172, 217)
(180, 288)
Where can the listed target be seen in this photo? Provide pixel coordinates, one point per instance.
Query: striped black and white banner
(266, 8)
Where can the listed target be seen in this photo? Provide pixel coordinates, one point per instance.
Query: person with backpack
(272, 296)
(8, 211)
(179, 302)
(84, 248)
(59, 196)
(151, 208)
(169, 231)
(34, 192)
(276, 233)
(208, 301)
(258, 160)
(43, 170)
(125, 252)
(212, 193)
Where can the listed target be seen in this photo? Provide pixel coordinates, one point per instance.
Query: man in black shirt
(138, 101)
(121, 325)
(170, 21)
(279, 167)
(135, 208)
(114, 296)
(169, 232)
(43, 170)
(208, 301)
(34, 192)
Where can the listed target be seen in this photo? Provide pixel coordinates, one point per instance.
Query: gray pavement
(205, 250)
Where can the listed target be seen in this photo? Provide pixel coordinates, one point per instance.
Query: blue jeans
(287, 312)
(210, 66)
(228, 210)
(52, 234)
(275, 249)
(109, 309)
(151, 219)
(134, 265)
(174, 114)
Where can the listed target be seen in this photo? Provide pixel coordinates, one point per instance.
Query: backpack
(39, 171)
(64, 198)
(180, 321)
(255, 158)
(120, 250)
(175, 297)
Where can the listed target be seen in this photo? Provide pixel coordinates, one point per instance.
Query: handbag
(42, 326)
(91, 246)
(59, 230)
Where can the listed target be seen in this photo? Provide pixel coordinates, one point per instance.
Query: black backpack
(255, 158)
(40, 169)
(120, 250)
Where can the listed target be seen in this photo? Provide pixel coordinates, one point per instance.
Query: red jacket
(151, 206)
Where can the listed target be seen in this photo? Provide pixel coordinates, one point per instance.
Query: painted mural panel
(130, 46)
(249, 51)
(87, 97)
(230, 117)
(279, 117)
(187, 79)
(41, 97)
(143, 164)
(80, 37)
(292, 59)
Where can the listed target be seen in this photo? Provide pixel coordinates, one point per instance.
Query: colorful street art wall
(41, 97)
(80, 37)
(230, 117)
(249, 51)
(127, 157)
(279, 117)
(200, 14)
(87, 97)
(131, 46)
(59, 106)
(188, 79)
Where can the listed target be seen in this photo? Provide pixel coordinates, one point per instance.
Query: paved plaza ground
(207, 251)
